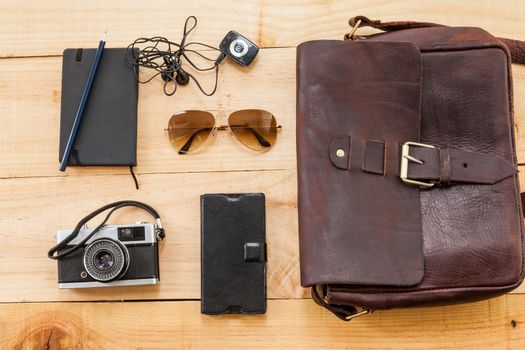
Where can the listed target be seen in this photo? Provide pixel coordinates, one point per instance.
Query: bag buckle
(406, 158)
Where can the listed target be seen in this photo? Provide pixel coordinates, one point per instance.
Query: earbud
(166, 58)
(182, 77)
(167, 74)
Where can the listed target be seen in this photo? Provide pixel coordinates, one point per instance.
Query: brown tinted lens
(254, 128)
(190, 129)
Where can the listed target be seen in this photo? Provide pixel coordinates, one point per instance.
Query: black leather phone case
(108, 130)
(233, 254)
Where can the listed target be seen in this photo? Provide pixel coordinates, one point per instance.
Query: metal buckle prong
(351, 35)
(406, 158)
(415, 160)
(360, 313)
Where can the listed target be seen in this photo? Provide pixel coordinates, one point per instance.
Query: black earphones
(167, 73)
(166, 57)
(181, 77)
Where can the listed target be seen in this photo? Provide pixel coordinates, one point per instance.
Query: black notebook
(233, 254)
(108, 130)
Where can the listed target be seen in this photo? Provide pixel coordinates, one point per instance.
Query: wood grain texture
(35, 199)
(32, 209)
(37, 28)
(30, 118)
(518, 76)
(288, 324)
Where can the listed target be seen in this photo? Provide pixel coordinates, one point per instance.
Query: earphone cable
(166, 58)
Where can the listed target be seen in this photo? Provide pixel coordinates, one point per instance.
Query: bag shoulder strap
(516, 47)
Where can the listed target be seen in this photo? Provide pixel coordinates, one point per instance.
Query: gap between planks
(127, 173)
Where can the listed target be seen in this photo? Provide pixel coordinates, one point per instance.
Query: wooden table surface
(36, 199)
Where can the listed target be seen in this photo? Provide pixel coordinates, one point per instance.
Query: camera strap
(159, 230)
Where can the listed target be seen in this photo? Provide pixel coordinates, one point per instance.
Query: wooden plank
(35, 199)
(288, 324)
(35, 28)
(30, 114)
(34, 208)
(30, 118)
(518, 76)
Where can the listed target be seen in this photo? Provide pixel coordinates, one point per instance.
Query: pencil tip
(104, 36)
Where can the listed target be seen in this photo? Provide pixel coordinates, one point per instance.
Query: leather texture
(375, 157)
(372, 204)
(340, 152)
(448, 165)
(350, 222)
(233, 254)
(516, 48)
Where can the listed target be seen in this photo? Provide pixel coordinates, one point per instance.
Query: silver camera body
(117, 255)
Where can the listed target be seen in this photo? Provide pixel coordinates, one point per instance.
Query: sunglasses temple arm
(184, 149)
(262, 141)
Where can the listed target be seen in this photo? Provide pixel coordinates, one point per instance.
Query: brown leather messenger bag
(407, 170)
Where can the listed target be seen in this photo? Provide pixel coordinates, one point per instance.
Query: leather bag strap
(344, 312)
(516, 47)
(444, 166)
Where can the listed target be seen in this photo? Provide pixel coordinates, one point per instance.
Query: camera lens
(106, 260)
(103, 260)
(238, 47)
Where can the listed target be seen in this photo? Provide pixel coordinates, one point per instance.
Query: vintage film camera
(109, 255)
(118, 255)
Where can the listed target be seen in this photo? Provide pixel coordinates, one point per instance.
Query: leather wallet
(408, 183)
(233, 254)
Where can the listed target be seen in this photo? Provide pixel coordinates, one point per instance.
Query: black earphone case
(233, 254)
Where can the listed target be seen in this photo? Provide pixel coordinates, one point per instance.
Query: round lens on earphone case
(189, 130)
(254, 128)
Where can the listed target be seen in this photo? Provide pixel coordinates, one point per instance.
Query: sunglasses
(253, 128)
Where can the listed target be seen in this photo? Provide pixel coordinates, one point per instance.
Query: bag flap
(358, 223)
